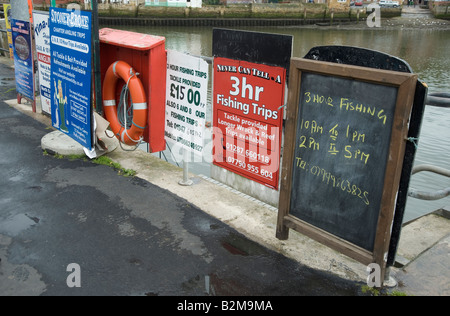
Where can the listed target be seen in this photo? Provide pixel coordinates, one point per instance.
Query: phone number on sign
(249, 167)
(247, 153)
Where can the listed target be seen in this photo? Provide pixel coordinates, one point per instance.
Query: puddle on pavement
(221, 283)
(6, 81)
(240, 245)
(17, 223)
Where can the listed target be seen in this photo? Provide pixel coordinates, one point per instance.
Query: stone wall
(294, 13)
(440, 9)
(253, 10)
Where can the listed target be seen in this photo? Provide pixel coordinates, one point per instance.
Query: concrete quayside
(422, 257)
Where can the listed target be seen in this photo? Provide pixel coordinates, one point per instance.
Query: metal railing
(1, 48)
(430, 196)
(440, 100)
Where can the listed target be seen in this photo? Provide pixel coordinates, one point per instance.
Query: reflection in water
(425, 50)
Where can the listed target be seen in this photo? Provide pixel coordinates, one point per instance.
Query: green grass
(102, 160)
(380, 292)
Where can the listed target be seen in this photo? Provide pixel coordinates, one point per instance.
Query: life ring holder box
(147, 55)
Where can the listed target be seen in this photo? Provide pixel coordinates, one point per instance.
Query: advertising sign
(7, 11)
(70, 83)
(42, 41)
(186, 97)
(23, 58)
(247, 103)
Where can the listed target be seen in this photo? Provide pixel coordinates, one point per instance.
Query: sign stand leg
(389, 281)
(186, 181)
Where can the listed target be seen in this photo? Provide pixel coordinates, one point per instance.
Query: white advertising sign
(186, 97)
(42, 40)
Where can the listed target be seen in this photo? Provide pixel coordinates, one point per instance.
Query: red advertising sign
(247, 100)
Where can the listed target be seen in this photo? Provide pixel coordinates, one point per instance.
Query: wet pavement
(128, 236)
(147, 236)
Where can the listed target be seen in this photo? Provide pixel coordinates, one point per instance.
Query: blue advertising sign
(23, 58)
(70, 46)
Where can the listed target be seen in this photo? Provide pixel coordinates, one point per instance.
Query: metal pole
(186, 181)
(30, 9)
(415, 125)
(96, 46)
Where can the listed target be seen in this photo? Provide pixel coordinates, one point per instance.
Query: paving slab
(429, 273)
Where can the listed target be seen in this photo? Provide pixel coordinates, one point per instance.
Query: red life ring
(124, 71)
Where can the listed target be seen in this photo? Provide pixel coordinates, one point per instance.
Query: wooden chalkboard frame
(405, 84)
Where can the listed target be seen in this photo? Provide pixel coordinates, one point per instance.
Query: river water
(421, 44)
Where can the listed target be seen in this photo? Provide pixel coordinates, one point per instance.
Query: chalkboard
(344, 143)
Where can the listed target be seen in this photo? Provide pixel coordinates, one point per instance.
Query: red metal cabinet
(147, 55)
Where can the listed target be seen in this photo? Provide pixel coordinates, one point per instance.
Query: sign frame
(405, 84)
(42, 46)
(252, 50)
(252, 150)
(23, 59)
(71, 75)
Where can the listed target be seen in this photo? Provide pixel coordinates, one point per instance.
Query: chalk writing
(328, 178)
(342, 138)
(345, 104)
(335, 133)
